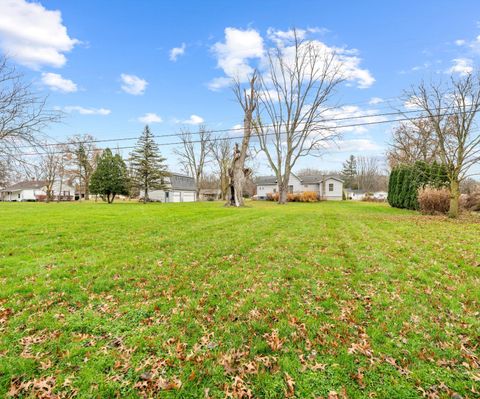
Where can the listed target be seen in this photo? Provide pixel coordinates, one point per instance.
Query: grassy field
(319, 300)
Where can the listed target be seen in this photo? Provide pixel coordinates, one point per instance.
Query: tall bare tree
(248, 100)
(413, 141)
(83, 156)
(23, 114)
(193, 154)
(451, 110)
(369, 176)
(293, 98)
(51, 168)
(220, 150)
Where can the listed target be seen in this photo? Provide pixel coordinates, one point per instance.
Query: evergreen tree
(110, 178)
(148, 168)
(392, 184)
(349, 172)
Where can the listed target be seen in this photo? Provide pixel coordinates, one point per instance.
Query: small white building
(360, 195)
(36, 190)
(179, 188)
(355, 195)
(327, 187)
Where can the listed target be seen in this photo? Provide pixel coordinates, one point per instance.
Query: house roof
(26, 185)
(182, 182)
(266, 180)
(271, 180)
(210, 191)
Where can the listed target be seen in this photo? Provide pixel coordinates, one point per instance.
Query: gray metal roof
(269, 180)
(182, 182)
(266, 180)
(26, 185)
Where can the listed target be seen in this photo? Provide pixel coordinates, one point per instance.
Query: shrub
(272, 197)
(406, 180)
(434, 200)
(309, 196)
(471, 202)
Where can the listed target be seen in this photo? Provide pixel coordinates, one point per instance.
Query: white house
(327, 187)
(35, 190)
(360, 195)
(180, 188)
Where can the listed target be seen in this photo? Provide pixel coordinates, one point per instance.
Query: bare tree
(248, 100)
(193, 154)
(50, 164)
(451, 111)
(413, 141)
(369, 176)
(220, 150)
(23, 114)
(293, 98)
(82, 157)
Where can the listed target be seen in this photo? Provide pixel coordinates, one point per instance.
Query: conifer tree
(148, 168)
(110, 178)
(349, 172)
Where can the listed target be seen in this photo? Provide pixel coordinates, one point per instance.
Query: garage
(188, 196)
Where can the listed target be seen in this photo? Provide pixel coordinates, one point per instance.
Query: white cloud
(358, 145)
(234, 53)
(150, 117)
(462, 66)
(132, 84)
(177, 52)
(351, 117)
(460, 42)
(375, 100)
(32, 35)
(193, 120)
(241, 47)
(86, 111)
(56, 82)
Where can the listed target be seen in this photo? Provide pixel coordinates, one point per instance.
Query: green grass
(198, 300)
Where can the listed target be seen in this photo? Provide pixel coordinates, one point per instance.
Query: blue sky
(78, 51)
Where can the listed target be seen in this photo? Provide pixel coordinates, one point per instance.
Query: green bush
(406, 180)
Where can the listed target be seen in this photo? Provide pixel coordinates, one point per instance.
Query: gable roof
(182, 182)
(26, 185)
(312, 179)
(266, 180)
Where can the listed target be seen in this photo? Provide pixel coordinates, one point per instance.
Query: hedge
(406, 180)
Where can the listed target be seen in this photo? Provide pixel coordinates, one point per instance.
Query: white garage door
(188, 196)
(175, 196)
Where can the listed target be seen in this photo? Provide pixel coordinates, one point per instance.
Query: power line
(227, 130)
(265, 134)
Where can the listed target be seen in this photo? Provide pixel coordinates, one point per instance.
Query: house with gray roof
(327, 187)
(179, 188)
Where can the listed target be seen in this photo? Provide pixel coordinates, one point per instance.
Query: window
(290, 189)
(19, 196)
(330, 187)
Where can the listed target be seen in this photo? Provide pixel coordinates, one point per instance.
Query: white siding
(336, 192)
(263, 190)
(171, 196)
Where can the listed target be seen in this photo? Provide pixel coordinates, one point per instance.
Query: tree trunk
(238, 181)
(237, 172)
(145, 196)
(87, 189)
(454, 198)
(283, 191)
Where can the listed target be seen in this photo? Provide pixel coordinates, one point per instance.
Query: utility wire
(253, 135)
(236, 129)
